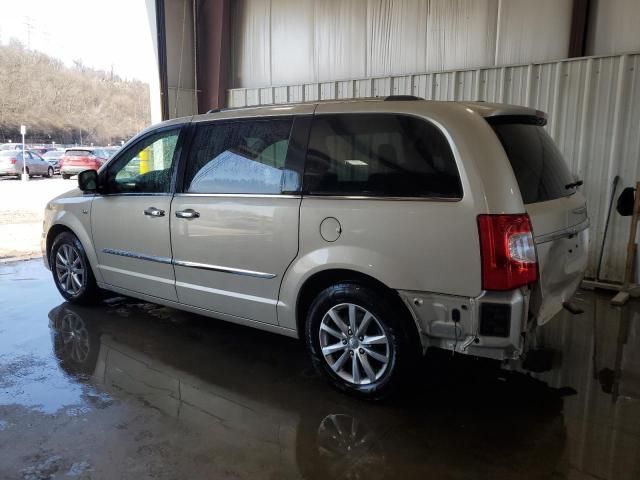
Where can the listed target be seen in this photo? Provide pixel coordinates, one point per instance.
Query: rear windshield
(78, 153)
(537, 163)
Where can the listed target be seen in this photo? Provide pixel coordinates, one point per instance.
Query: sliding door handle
(188, 213)
(154, 212)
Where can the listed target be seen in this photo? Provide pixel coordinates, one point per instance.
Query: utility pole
(29, 27)
(25, 175)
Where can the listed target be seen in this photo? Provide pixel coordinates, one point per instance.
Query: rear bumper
(73, 170)
(491, 325)
(9, 171)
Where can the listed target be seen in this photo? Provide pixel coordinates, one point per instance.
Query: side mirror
(88, 181)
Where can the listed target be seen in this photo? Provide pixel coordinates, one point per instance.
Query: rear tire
(65, 176)
(71, 270)
(359, 340)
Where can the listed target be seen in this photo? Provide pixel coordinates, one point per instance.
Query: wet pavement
(131, 390)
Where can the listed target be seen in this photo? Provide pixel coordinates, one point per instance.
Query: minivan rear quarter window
(386, 155)
(539, 168)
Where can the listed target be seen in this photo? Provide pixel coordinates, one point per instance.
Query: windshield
(537, 163)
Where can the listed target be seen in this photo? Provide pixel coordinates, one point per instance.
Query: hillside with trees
(66, 105)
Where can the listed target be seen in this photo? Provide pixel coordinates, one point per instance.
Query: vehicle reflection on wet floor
(134, 390)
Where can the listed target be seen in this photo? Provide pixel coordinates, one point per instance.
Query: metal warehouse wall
(180, 51)
(613, 27)
(594, 115)
(278, 42)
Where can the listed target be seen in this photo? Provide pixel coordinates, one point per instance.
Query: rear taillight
(508, 253)
(13, 161)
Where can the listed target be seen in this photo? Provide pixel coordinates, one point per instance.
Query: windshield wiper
(575, 184)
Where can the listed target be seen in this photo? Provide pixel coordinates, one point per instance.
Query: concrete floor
(134, 391)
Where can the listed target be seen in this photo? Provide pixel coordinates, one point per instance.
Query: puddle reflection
(246, 387)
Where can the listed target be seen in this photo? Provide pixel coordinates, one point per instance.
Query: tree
(55, 101)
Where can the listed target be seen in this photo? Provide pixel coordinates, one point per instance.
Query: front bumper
(491, 325)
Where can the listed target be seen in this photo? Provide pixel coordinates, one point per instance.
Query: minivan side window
(246, 156)
(379, 155)
(146, 166)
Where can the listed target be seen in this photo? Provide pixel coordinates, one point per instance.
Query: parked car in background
(111, 151)
(11, 164)
(53, 157)
(78, 159)
(10, 146)
(40, 149)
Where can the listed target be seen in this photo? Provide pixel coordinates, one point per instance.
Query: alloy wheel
(354, 344)
(70, 270)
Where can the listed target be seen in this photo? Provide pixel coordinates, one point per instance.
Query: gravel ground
(22, 211)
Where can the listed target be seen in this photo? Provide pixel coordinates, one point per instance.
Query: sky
(104, 34)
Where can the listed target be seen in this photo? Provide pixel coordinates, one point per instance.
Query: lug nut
(350, 332)
(351, 352)
(361, 338)
(361, 350)
(344, 341)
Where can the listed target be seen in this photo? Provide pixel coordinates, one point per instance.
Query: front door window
(146, 166)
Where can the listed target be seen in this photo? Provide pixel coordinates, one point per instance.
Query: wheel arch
(325, 278)
(53, 232)
(69, 223)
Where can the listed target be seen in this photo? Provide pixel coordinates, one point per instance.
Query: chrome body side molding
(137, 256)
(184, 263)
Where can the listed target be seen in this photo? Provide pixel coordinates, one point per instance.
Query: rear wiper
(575, 184)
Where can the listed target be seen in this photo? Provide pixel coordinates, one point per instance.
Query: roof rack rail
(401, 98)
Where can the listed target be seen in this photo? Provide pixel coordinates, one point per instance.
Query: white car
(372, 229)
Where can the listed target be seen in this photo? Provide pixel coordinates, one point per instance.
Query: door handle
(154, 212)
(188, 213)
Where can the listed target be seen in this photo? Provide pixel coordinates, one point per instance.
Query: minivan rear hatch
(557, 210)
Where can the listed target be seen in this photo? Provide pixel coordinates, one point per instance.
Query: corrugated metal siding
(594, 116)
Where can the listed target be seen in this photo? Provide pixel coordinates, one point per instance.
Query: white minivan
(371, 229)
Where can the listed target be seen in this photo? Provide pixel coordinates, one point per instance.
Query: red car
(79, 159)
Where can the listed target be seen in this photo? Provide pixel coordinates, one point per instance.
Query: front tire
(71, 270)
(65, 176)
(358, 339)
(49, 172)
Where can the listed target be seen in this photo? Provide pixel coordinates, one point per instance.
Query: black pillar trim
(579, 28)
(162, 58)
